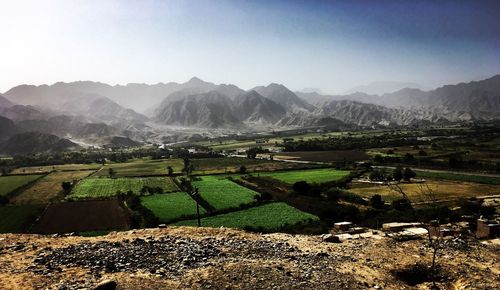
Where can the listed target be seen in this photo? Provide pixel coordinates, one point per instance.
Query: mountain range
(93, 113)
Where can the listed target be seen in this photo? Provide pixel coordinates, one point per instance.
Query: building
(487, 229)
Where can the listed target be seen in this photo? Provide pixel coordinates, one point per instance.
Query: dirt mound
(202, 258)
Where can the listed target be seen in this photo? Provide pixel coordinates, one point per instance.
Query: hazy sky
(331, 45)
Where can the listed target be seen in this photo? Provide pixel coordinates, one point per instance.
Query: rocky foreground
(191, 258)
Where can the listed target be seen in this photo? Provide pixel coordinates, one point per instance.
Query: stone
(329, 238)
(106, 285)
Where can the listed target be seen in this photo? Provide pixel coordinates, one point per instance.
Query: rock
(329, 238)
(106, 285)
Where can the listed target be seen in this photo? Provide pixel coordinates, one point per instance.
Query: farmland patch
(82, 216)
(171, 206)
(268, 217)
(222, 193)
(12, 182)
(106, 187)
(48, 187)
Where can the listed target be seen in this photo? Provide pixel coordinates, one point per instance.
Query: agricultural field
(142, 167)
(320, 175)
(12, 182)
(444, 190)
(82, 216)
(269, 217)
(171, 206)
(222, 193)
(232, 164)
(324, 156)
(484, 179)
(49, 187)
(63, 167)
(107, 187)
(18, 218)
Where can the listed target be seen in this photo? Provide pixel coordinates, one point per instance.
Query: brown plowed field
(82, 216)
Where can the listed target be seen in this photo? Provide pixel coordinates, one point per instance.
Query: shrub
(301, 187)
(401, 204)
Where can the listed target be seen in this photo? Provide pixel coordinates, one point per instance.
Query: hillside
(203, 258)
(33, 142)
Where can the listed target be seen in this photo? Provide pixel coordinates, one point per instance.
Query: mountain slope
(34, 142)
(4, 102)
(7, 128)
(252, 107)
(206, 110)
(283, 96)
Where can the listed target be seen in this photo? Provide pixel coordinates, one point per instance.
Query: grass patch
(310, 175)
(269, 217)
(12, 182)
(223, 194)
(18, 218)
(171, 206)
(107, 187)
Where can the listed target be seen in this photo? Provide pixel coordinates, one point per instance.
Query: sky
(329, 45)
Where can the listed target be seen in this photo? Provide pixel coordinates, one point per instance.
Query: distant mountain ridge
(197, 103)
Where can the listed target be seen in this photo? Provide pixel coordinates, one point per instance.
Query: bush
(301, 187)
(3, 200)
(401, 204)
(333, 194)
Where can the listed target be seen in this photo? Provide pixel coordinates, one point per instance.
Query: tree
(408, 157)
(111, 172)
(243, 169)
(66, 186)
(397, 174)
(301, 187)
(434, 230)
(188, 167)
(408, 174)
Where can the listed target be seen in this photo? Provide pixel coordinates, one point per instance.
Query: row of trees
(397, 174)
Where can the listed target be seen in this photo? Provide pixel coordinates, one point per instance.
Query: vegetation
(224, 194)
(171, 206)
(269, 217)
(108, 187)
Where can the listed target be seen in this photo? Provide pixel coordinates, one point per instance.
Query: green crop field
(459, 177)
(106, 187)
(268, 217)
(12, 182)
(310, 175)
(18, 218)
(142, 167)
(171, 206)
(222, 193)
